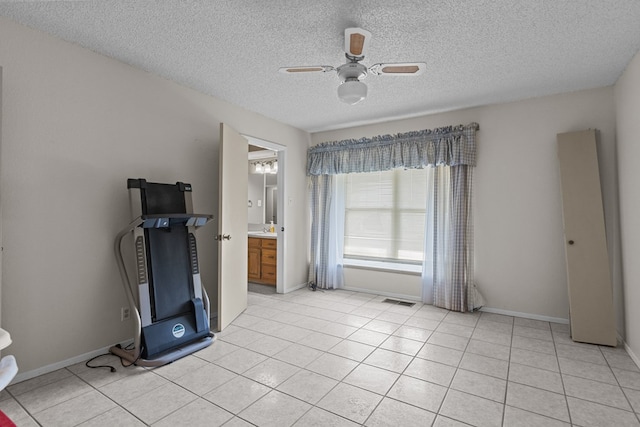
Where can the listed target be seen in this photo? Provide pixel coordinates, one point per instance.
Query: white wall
(519, 250)
(76, 125)
(404, 286)
(627, 95)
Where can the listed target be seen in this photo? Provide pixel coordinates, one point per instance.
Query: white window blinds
(385, 214)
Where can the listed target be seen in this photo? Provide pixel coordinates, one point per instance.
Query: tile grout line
(413, 356)
(506, 389)
(466, 348)
(396, 381)
(282, 306)
(619, 385)
(31, 416)
(564, 389)
(107, 397)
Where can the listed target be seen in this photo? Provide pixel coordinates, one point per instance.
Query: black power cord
(111, 368)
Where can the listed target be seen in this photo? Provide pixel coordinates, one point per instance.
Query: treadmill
(169, 306)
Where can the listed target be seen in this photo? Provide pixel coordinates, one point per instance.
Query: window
(385, 214)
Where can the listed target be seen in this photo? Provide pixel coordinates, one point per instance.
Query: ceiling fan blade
(307, 69)
(356, 42)
(399, 69)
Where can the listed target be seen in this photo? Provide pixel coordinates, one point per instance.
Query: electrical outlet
(125, 313)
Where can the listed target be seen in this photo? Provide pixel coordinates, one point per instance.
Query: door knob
(571, 242)
(226, 237)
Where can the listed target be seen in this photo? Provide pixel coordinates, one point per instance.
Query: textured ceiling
(477, 52)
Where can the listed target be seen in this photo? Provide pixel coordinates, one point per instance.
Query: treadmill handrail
(126, 283)
(158, 220)
(176, 215)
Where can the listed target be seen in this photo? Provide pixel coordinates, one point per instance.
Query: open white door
(232, 226)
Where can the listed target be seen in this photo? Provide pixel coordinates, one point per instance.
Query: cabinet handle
(571, 242)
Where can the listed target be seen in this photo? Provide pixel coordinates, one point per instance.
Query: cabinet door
(269, 243)
(269, 256)
(254, 263)
(588, 276)
(269, 274)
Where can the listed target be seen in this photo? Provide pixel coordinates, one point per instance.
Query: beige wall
(76, 125)
(627, 95)
(405, 286)
(518, 218)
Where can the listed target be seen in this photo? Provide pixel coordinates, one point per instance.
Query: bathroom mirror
(271, 198)
(263, 190)
(271, 211)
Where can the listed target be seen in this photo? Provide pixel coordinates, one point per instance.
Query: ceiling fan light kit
(351, 89)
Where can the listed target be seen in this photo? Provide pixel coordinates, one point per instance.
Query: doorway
(274, 203)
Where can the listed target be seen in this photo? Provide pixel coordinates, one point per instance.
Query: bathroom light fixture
(263, 167)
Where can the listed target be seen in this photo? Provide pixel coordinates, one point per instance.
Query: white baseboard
(296, 287)
(631, 354)
(620, 340)
(525, 315)
(63, 364)
(386, 294)
(487, 309)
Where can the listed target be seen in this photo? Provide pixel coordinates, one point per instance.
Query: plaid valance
(449, 145)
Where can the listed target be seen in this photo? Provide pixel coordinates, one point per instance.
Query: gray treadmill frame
(142, 317)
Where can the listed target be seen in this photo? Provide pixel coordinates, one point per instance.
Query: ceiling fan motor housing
(351, 71)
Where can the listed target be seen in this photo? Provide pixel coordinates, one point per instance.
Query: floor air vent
(398, 302)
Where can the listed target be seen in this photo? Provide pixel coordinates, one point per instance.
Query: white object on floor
(8, 365)
(5, 339)
(8, 370)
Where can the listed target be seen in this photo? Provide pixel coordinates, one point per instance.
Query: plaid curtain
(448, 280)
(327, 231)
(450, 153)
(449, 145)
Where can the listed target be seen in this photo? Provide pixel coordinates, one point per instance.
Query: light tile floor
(340, 358)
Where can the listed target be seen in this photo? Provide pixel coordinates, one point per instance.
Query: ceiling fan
(352, 90)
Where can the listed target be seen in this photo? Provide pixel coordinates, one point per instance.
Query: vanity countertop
(263, 235)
